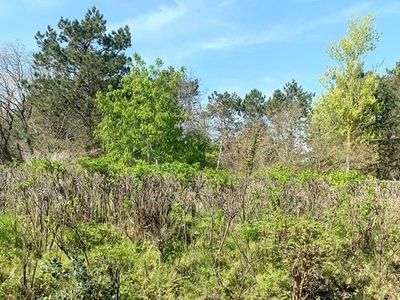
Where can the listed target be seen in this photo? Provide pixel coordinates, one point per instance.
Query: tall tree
(15, 111)
(253, 106)
(74, 63)
(287, 112)
(344, 115)
(143, 119)
(189, 98)
(223, 111)
(253, 112)
(388, 125)
(194, 126)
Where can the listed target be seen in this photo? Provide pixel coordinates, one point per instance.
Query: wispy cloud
(182, 18)
(359, 9)
(155, 21)
(202, 32)
(205, 25)
(284, 32)
(247, 39)
(290, 32)
(199, 26)
(178, 29)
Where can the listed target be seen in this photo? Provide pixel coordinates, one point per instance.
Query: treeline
(80, 95)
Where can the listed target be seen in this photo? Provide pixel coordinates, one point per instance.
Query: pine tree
(72, 65)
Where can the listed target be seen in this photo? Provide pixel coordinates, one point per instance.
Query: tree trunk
(252, 153)
(348, 148)
(219, 154)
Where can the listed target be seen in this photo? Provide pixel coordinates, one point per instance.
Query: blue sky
(233, 45)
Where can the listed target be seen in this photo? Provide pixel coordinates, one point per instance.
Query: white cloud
(181, 18)
(359, 9)
(188, 27)
(155, 21)
(241, 40)
(177, 30)
(288, 31)
(278, 33)
(183, 32)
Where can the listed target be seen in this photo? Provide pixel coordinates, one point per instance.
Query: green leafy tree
(74, 63)
(143, 120)
(343, 116)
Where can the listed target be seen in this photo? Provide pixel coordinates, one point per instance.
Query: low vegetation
(68, 232)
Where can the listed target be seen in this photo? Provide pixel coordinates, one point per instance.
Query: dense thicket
(76, 234)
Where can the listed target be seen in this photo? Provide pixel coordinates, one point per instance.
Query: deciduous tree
(143, 119)
(343, 116)
(15, 111)
(223, 111)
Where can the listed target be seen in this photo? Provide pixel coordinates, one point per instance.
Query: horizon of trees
(80, 95)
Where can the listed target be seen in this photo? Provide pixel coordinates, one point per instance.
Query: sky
(229, 45)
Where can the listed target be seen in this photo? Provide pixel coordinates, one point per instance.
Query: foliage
(182, 171)
(74, 63)
(288, 111)
(387, 125)
(342, 118)
(42, 165)
(341, 178)
(292, 95)
(253, 106)
(143, 119)
(223, 110)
